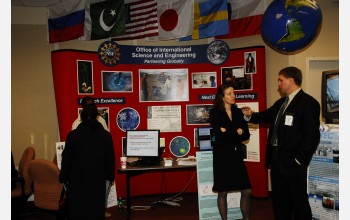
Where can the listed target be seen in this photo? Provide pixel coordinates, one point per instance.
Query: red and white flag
(140, 19)
(245, 17)
(175, 18)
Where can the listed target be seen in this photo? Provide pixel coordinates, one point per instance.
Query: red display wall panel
(66, 85)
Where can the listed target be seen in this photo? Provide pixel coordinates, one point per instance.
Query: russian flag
(66, 21)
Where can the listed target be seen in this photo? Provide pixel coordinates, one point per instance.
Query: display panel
(206, 138)
(142, 143)
(330, 96)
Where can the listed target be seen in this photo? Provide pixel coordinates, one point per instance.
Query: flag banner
(175, 19)
(210, 19)
(245, 17)
(140, 20)
(66, 21)
(104, 19)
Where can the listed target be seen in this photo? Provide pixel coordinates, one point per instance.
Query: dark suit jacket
(298, 140)
(88, 160)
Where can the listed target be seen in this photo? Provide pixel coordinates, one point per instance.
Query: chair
(23, 182)
(46, 188)
(54, 160)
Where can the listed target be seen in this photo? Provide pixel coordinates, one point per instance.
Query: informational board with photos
(207, 199)
(170, 88)
(323, 178)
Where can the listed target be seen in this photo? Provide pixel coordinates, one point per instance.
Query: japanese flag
(175, 18)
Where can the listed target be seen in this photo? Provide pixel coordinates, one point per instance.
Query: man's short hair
(292, 72)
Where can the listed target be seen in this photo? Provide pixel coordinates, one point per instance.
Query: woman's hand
(223, 129)
(240, 131)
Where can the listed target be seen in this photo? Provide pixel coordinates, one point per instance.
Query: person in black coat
(290, 150)
(230, 130)
(88, 160)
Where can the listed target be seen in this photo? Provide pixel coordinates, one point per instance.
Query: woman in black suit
(290, 150)
(230, 129)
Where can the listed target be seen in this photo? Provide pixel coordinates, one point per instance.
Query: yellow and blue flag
(210, 19)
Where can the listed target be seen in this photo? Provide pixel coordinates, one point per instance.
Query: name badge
(289, 120)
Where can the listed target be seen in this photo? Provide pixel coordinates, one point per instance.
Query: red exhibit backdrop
(114, 76)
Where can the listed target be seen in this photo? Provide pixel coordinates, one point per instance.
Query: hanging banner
(111, 54)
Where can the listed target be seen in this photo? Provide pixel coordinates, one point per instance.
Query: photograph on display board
(116, 81)
(179, 146)
(198, 114)
(250, 62)
(102, 111)
(164, 118)
(128, 119)
(237, 76)
(204, 80)
(85, 80)
(163, 85)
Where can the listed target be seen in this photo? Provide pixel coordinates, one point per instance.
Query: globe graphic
(218, 52)
(291, 26)
(128, 119)
(179, 146)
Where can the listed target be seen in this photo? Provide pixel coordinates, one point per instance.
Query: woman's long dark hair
(89, 115)
(218, 101)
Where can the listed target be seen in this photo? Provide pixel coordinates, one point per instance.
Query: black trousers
(289, 189)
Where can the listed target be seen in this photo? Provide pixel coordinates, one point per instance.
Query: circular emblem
(218, 52)
(109, 53)
(128, 119)
(179, 146)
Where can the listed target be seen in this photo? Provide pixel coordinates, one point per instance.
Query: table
(135, 170)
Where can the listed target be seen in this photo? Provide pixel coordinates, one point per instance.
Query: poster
(59, 150)
(164, 118)
(111, 196)
(323, 178)
(207, 199)
(253, 151)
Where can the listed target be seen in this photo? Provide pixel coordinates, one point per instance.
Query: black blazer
(299, 137)
(226, 141)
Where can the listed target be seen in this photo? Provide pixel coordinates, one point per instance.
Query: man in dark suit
(292, 140)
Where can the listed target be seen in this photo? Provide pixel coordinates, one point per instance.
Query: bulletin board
(114, 75)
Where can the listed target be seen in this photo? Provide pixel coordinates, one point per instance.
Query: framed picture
(198, 114)
(116, 81)
(163, 85)
(250, 62)
(237, 76)
(204, 80)
(85, 79)
(164, 118)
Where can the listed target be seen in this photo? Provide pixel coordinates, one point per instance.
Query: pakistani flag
(104, 20)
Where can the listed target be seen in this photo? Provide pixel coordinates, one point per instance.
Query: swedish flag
(210, 19)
